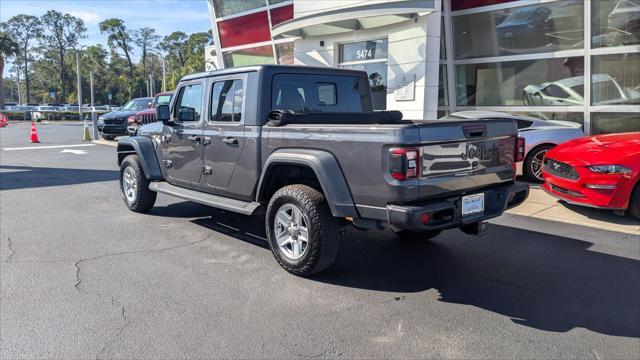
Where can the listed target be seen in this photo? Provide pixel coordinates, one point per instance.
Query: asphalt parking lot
(82, 277)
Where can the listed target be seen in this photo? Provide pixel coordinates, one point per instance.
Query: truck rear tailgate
(462, 155)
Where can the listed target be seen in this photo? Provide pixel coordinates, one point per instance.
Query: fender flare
(327, 170)
(143, 147)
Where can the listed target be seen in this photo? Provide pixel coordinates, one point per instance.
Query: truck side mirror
(163, 114)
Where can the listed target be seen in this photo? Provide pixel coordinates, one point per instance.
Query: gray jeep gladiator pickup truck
(304, 147)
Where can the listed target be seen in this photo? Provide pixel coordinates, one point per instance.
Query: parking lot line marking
(46, 147)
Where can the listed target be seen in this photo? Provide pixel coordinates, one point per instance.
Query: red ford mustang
(599, 171)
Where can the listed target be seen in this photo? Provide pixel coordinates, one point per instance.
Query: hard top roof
(275, 69)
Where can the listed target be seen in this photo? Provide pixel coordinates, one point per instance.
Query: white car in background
(539, 137)
(42, 112)
(570, 91)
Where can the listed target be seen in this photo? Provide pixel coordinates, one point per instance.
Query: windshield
(136, 105)
(163, 99)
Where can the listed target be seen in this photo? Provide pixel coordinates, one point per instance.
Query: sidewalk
(540, 205)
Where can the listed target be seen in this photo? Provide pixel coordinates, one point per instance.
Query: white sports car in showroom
(539, 137)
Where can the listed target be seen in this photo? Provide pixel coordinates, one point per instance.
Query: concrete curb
(540, 205)
(105, 142)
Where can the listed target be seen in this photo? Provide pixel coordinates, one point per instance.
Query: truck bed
(362, 151)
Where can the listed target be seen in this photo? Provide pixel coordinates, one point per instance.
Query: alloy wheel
(291, 230)
(129, 184)
(536, 163)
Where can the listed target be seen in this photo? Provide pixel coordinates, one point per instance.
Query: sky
(166, 16)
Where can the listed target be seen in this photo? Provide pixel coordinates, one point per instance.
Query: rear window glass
(320, 93)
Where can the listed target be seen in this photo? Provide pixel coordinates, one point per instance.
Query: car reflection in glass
(570, 91)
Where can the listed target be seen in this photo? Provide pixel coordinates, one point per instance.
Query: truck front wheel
(135, 186)
(303, 235)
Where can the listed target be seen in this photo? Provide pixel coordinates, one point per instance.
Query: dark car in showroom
(115, 123)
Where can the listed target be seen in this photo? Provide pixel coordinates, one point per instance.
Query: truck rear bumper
(446, 213)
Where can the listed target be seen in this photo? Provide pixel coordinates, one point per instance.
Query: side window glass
(290, 97)
(523, 124)
(238, 95)
(189, 104)
(226, 101)
(556, 91)
(215, 100)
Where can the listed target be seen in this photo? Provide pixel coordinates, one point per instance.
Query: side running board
(238, 206)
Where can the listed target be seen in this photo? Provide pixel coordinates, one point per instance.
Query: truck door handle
(230, 140)
(195, 138)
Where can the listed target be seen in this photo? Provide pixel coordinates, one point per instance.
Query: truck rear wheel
(303, 235)
(135, 186)
(417, 235)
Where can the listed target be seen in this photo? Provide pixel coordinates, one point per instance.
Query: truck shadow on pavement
(24, 177)
(540, 280)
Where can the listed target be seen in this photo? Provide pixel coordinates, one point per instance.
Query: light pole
(19, 90)
(164, 70)
(85, 127)
(11, 88)
(94, 115)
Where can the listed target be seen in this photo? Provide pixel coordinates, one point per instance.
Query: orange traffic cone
(34, 134)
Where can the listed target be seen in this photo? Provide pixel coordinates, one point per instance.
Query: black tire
(108, 137)
(634, 202)
(143, 199)
(415, 236)
(323, 238)
(527, 166)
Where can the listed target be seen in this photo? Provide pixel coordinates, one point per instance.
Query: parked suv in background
(304, 146)
(149, 115)
(115, 123)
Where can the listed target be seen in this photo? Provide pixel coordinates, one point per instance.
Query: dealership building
(574, 60)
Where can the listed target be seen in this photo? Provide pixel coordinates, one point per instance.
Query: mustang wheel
(532, 167)
(108, 137)
(302, 233)
(135, 186)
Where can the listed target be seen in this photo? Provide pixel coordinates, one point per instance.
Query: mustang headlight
(609, 169)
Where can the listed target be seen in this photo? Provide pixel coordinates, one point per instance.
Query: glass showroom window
(443, 47)
(614, 122)
(370, 56)
(231, 7)
(285, 53)
(615, 22)
(251, 56)
(615, 79)
(545, 82)
(543, 27)
(442, 86)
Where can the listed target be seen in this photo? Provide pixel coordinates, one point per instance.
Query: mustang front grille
(560, 169)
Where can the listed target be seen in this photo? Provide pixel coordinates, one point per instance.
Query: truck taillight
(404, 163)
(520, 149)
